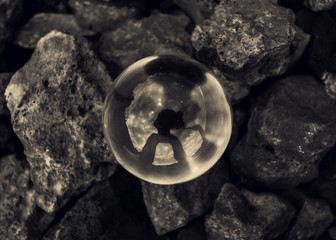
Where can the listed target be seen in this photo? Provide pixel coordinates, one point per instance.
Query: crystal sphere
(167, 119)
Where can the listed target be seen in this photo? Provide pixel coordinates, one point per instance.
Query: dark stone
(158, 34)
(312, 221)
(56, 101)
(41, 24)
(198, 10)
(173, 206)
(4, 80)
(102, 16)
(10, 11)
(247, 215)
(249, 42)
(291, 127)
(320, 5)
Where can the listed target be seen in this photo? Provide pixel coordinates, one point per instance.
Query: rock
(320, 5)
(102, 16)
(332, 232)
(198, 10)
(56, 101)
(106, 212)
(248, 42)
(42, 23)
(17, 199)
(291, 127)
(4, 80)
(322, 55)
(173, 206)
(248, 215)
(10, 14)
(158, 34)
(313, 219)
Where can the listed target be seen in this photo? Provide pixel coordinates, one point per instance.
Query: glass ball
(167, 119)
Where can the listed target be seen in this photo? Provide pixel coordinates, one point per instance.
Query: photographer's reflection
(166, 120)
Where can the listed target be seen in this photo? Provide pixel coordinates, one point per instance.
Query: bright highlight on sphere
(167, 119)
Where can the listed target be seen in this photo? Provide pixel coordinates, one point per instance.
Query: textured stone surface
(102, 16)
(108, 210)
(56, 102)
(248, 42)
(10, 14)
(173, 206)
(198, 10)
(291, 127)
(16, 199)
(4, 80)
(313, 219)
(320, 5)
(158, 34)
(247, 215)
(42, 23)
(322, 54)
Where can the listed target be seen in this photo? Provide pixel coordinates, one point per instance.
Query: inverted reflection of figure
(166, 120)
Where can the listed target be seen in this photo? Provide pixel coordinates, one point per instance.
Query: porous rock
(198, 10)
(313, 219)
(4, 80)
(158, 34)
(173, 206)
(17, 199)
(102, 16)
(291, 127)
(10, 14)
(320, 5)
(42, 23)
(56, 101)
(247, 215)
(249, 42)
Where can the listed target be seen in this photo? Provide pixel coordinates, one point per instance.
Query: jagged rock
(320, 5)
(249, 42)
(313, 219)
(102, 16)
(108, 210)
(248, 215)
(291, 127)
(198, 10)
(158, 34)
(4, 80)
(173, 206)
(42, 23)
(17, 200)
(10, 14)
(56, 101)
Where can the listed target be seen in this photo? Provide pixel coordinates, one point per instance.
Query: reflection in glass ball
(167, 119)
